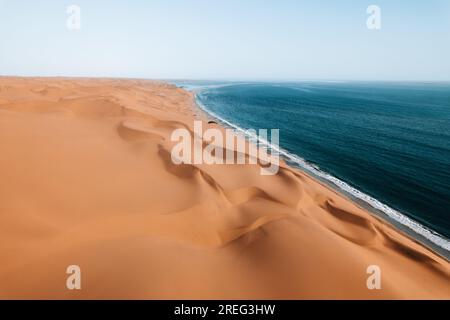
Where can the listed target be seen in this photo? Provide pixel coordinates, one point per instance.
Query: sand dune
(87, 179)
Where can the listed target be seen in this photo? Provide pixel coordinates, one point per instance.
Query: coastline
(435, 242)
(89, 180)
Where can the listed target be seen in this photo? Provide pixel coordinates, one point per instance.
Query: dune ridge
(87, 179)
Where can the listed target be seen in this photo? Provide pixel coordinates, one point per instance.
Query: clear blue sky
(227, 39)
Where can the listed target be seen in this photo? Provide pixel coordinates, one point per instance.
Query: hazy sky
(227, 39)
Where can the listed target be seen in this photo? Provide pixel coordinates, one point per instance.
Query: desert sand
(86, 179)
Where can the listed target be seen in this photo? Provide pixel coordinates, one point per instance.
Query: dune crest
(87, 179)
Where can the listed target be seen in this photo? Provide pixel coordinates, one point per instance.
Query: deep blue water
(388, 140)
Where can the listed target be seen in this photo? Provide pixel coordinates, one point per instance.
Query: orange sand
(86, 178)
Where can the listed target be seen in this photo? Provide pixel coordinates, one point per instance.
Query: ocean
(385, 144)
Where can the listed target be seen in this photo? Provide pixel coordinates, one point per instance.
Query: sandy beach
(87, 179)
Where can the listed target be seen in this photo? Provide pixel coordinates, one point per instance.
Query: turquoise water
(386, 143)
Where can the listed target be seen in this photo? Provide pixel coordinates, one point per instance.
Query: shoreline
(363, 204)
